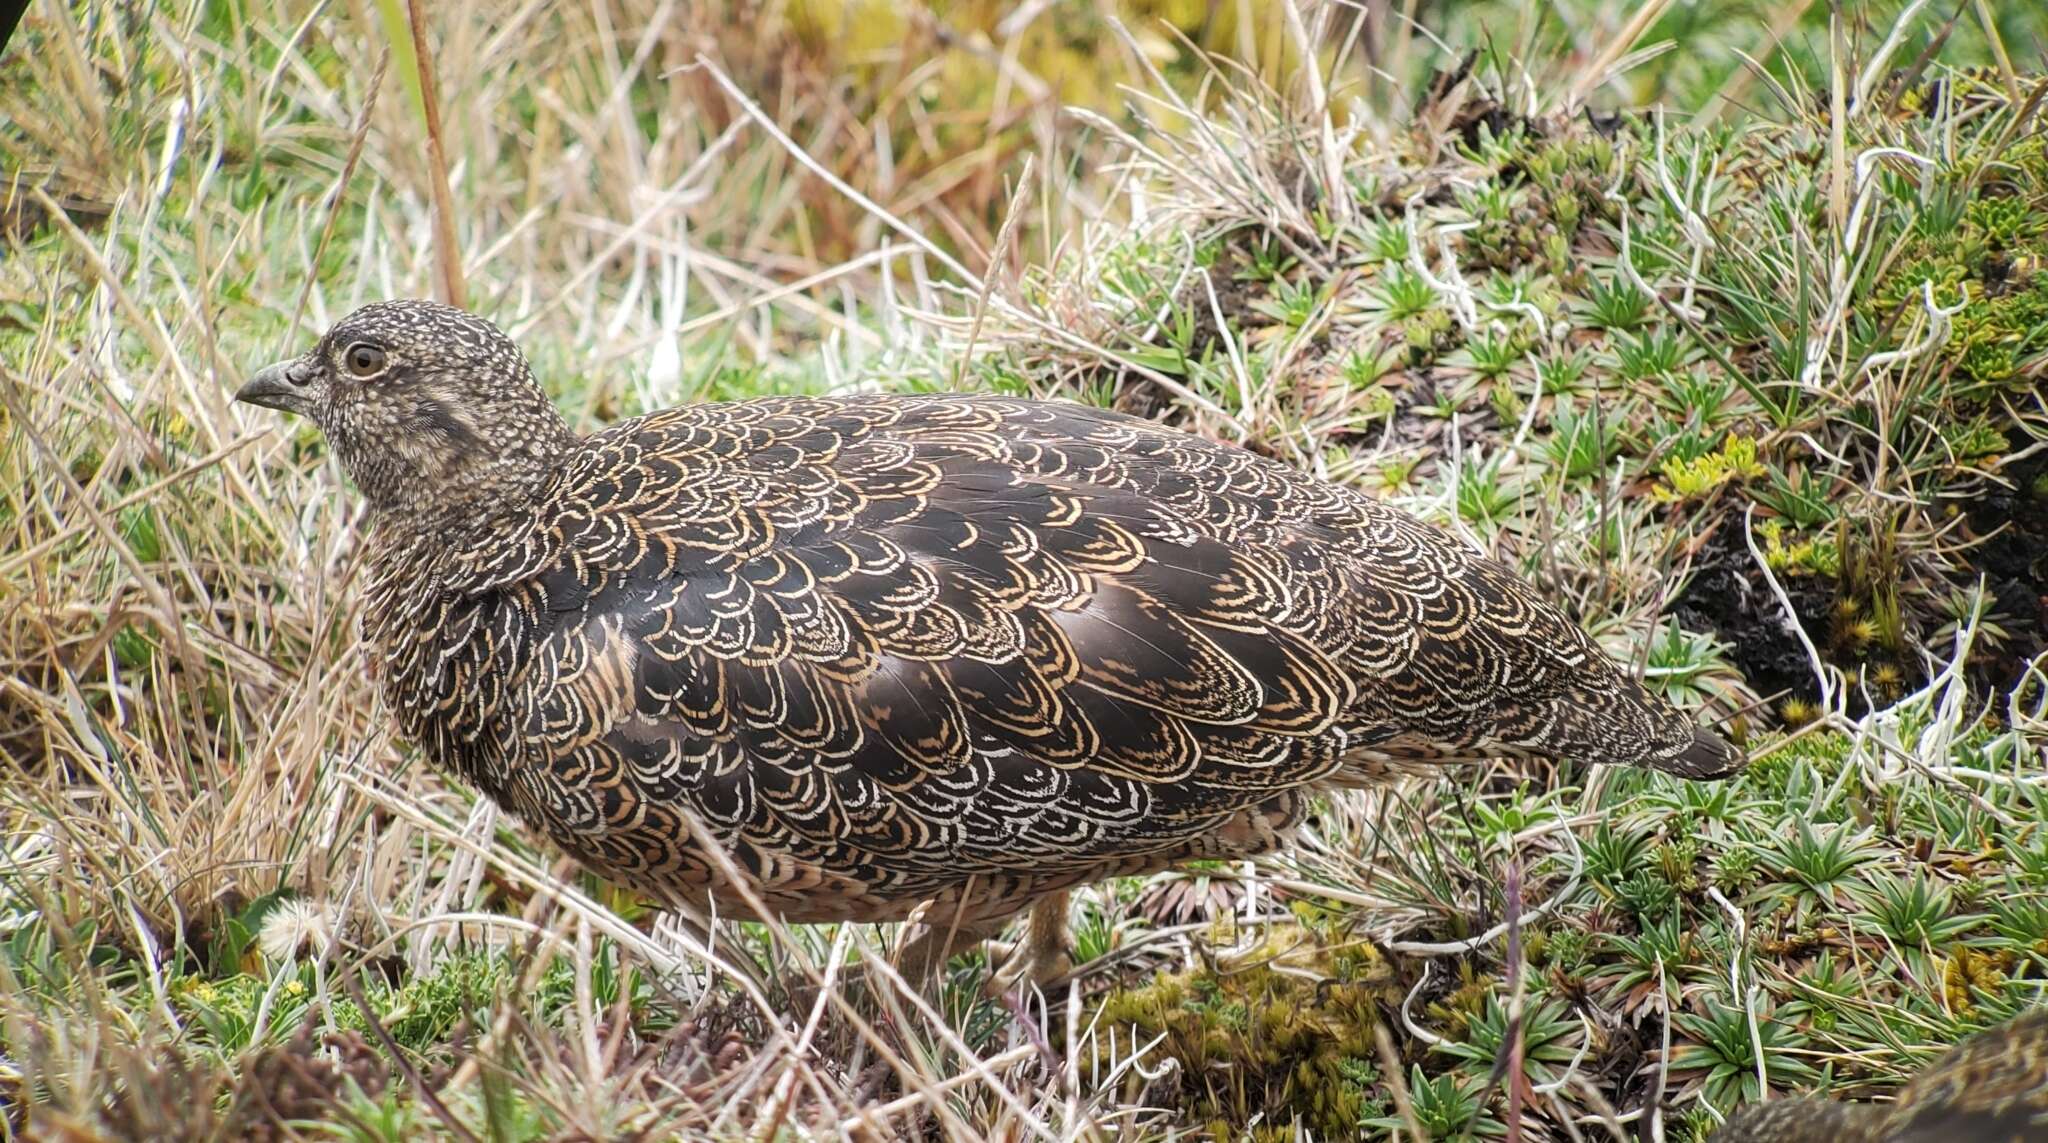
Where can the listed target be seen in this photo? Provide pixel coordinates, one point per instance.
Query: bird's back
(878, 644)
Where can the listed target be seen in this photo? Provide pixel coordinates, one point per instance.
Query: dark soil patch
(2014, 564)
(1729, 597)
(1236, 299)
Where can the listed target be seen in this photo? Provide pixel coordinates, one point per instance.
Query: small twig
(804, 158)
(779, 1103)
(1397, 1083)
(1518, 986)
(1656, 1104)
(1453, 948)
(1822, 677)
(1230, 346)
(1408, 1001)
(1735, 985)
(167, 612)
(1597, 73)
(1998, 52)
(1838, 119)
(1873, 70)
(871, 1117)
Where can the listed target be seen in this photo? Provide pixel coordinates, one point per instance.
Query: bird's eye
(365, 360)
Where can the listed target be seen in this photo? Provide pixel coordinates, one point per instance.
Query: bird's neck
(451, 493)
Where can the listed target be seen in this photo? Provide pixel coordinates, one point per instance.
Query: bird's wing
(817, 631)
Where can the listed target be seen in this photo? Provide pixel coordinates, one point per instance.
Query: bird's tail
(1661, 736)
(1708, 755)
(1615, 722)
(1622, 724)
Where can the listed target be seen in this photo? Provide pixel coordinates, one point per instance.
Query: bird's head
(427, 406)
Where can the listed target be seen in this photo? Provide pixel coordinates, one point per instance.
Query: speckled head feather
(431, 410)
(883, 650)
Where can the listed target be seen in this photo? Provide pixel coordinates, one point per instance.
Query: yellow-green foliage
(1969, 972)
(1694, 479)
(421, 1014)
(1457, 1007)
(1573, 173)
(1772, 761)
(1796, 554)
(1283, 1030)
(1519, 225)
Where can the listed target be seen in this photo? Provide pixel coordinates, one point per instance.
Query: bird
(1990, 1088)
(876, 657)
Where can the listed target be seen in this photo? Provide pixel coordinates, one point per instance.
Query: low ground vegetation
(1757, 396)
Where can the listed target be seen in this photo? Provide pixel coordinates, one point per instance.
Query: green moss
(1289, 1021)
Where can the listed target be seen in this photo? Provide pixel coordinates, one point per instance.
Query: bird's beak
(274, 387)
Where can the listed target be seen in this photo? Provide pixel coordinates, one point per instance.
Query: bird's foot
(1043, 959)
(1023, 967)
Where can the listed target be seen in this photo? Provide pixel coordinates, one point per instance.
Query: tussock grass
(1692, 377)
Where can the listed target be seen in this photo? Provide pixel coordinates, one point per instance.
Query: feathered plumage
(887, 649)
(1991, 1088)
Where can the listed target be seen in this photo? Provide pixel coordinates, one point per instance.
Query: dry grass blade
(1603, 67)
(447, 254)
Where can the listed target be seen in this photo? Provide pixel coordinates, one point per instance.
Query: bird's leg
(923, 958)
(1045, 954)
